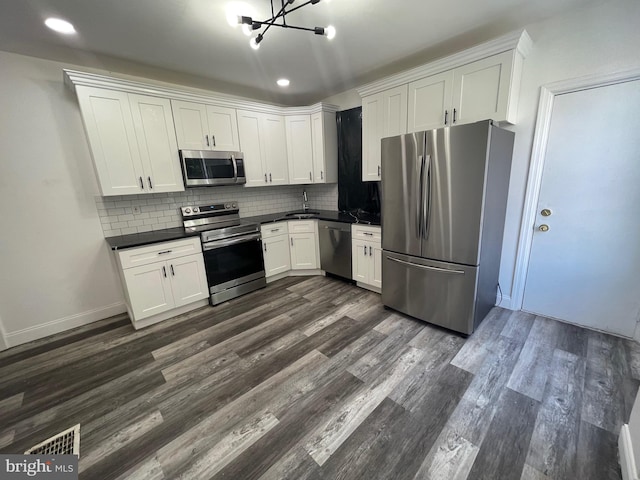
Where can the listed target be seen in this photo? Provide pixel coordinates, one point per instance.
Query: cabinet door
(149, 289)
(299, 148)
(156, 137)
(249, 131)
(223, 128)
(188, 279)
(303, 251)
(372, 127)
(274, 141)
(481, 89)
(112, 139)
(376, 266)
(430, 102)
(360, 261)
(277, 258)
(394, 114)
(324, 137)
(192, 129)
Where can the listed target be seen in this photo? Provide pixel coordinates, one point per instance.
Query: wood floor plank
(529, 376)
(296, 465)
(451, 458)
(530, 473)
(554, 442)
(597, 454)
(518, 326)
(504, 449)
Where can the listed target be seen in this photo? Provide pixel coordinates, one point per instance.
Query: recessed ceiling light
(283, 82)
(59, 25)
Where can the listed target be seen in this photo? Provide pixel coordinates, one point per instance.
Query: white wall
(57, 271)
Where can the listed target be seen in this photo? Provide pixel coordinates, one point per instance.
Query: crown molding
(73, 78)
(519, 41)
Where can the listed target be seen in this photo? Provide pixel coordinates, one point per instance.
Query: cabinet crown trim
(520, 41)
(73, 78)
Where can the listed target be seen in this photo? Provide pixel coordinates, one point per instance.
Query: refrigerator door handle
(419, 212)
(426, 267)
(425, 198)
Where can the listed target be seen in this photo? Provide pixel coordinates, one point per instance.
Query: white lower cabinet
(366, 256)
(303, 242)
(168, 280)
(275, 248)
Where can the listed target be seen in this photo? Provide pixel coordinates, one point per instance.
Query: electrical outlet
(136, 210)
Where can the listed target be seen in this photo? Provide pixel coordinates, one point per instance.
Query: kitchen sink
(300, 215)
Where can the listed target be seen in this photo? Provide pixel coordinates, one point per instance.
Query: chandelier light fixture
(279, 19)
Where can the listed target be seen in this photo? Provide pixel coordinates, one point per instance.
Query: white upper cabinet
(383, 115)
(430, 102)
(324, 135)
(132, 142)
(153, 124)
(264, 145)
(299, 148)
(205, 127)
(482, 90)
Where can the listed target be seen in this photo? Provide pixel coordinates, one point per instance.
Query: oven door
(233, 262)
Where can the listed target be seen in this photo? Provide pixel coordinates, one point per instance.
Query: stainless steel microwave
(206, 168)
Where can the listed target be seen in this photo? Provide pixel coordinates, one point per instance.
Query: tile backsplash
(121, 215)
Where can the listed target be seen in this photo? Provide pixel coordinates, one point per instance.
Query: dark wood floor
(314, 379)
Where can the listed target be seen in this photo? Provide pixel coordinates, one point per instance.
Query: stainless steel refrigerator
(444, 195)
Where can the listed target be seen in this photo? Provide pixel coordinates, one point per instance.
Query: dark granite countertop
(168, 234)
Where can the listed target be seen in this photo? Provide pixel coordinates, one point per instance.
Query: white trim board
(37, 332)
(627, 460)
(3, 339)
(536, 166)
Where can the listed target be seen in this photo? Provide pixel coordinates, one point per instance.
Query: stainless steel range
(232, 250)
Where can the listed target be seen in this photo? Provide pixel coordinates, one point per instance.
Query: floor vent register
(63, 443)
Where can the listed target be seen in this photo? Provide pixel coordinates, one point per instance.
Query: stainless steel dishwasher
(335, 247)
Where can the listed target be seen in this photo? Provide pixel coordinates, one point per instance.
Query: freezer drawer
(437, 292)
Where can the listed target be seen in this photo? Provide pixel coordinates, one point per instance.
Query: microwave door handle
(235, 168)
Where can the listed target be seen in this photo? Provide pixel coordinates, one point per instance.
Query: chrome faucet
(305, 201)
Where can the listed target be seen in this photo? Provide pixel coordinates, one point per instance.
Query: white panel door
(324, 134)
(376, 265)
(303, 251)
(191, 124)
(277, 257)
(188, 279)
(274, 141)
(223, 128)
(481, 89)
(360, 261)
(372, 128)
(585, 269)
(249, 130)
(149, 289)
(299, 148)
(156, 137)
(394, 116)
(112, 139)
(430, 102)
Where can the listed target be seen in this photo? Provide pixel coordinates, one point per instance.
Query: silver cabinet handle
(321, 175)
(165, 252)
(265, 247)
(370, 251)
(265, 178)
(141, 184)
(368, 234)
(425, 267)
(207, 139)
(213, 139)
(164, 272)
(150, 184)
(446, 115)
(454, 115)
(378, 170)
(172, 272)
(310, 179)
(275, 230)
(270, 179)
(292, 241)
(365, 249)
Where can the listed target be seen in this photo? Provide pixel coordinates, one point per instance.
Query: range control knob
(196, 209)
(187, 211)
(235, 205)
(227, 206)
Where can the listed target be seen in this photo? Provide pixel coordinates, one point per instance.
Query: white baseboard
(505, 303)
(625, 449)
(60, 325)
(3, 340)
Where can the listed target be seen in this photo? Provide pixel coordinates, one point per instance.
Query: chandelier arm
(270, 23)
(283, 13)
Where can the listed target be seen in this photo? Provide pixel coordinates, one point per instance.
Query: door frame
(536, 166)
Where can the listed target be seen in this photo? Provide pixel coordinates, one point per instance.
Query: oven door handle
(226, 243)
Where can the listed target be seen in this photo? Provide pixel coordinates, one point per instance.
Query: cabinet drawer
(361, 232)
(302, 226)
(274, 229)
(133, 257)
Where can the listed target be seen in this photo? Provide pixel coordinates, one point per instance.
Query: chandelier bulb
(330, 32)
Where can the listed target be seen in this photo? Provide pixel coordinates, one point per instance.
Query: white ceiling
(193, 37)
